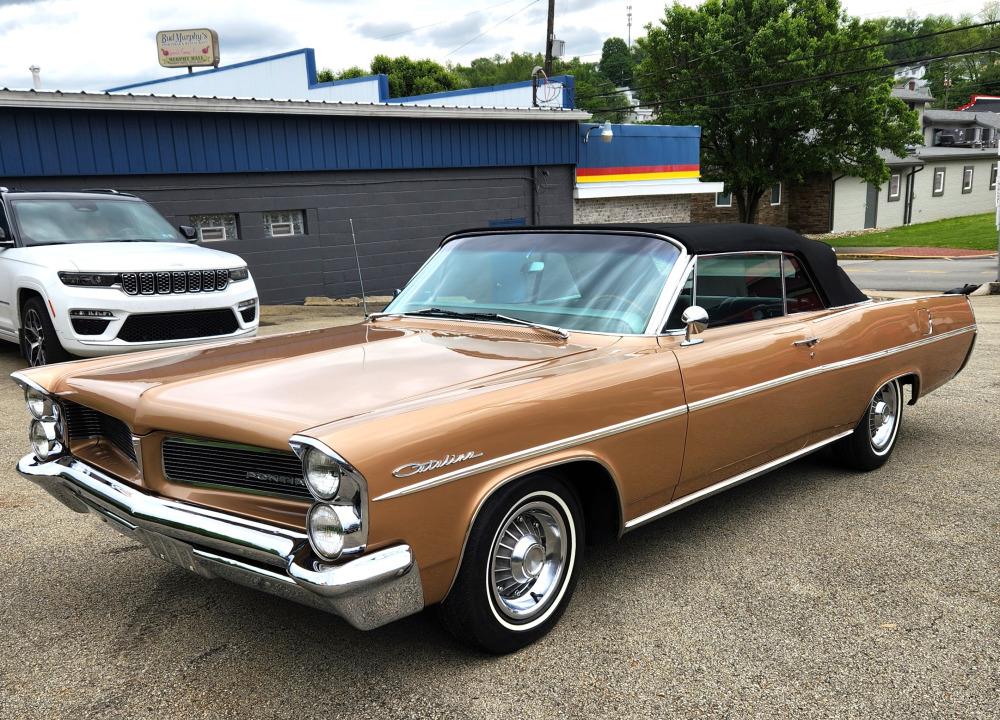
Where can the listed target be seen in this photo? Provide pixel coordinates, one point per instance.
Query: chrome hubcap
(882, 416)
(34, 338)
(528, 560)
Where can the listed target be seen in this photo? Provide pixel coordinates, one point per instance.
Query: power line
(488, 30)
(799, 81)
(788, 61)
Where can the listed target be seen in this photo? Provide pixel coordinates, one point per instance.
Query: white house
(954, 172)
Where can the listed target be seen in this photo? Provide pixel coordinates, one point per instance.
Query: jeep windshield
(63, 221)
(593, 282)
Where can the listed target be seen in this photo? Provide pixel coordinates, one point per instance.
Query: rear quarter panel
(865, 346)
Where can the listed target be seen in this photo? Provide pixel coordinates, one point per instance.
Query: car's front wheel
(874, 437)
(39, 343)
(519, 567)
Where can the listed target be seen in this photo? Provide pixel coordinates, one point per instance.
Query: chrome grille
(84, 423)
(173, 282)
(243, 467)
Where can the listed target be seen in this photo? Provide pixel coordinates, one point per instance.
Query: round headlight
(326, 532)
(44, 439)
(322, 474)
(40, 405)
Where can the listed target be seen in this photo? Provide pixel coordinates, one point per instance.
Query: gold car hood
(266, 389)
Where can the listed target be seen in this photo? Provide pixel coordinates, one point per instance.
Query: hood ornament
(415, 468)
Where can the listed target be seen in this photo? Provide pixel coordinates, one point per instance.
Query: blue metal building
(278, 181)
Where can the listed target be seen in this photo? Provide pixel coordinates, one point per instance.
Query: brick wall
(648, 208)
(703, 210)
(804, 207)
(809, 205)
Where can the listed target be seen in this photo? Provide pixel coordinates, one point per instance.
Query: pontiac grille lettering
(409, 469)
(275, 478)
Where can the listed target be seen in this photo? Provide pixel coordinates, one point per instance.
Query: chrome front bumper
(367, 592)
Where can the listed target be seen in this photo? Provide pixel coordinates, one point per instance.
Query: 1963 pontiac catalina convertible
(528, 391)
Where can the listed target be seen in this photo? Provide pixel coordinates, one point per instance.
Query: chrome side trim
(718, 487)
(534, 452)
(784, 379)
(627, 425)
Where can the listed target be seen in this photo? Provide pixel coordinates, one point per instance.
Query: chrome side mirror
(695, 318)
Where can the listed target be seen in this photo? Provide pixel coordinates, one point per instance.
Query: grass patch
(975, 232)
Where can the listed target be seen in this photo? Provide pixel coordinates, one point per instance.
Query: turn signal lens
(322, 475)
(39, 405)
(44, 439)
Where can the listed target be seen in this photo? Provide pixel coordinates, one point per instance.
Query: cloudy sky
(95, 44)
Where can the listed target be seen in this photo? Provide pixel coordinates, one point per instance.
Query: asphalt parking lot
(810, 592)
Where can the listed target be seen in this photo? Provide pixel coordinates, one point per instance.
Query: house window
(212, 228)
(776, 194)
(283, 223)
(993, 177)
(938, 189)
(894, 187)
(724, 199)
(967, 179)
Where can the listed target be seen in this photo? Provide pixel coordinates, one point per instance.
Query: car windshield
(594, 282)
(60, 221)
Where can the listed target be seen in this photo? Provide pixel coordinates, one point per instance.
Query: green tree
(594, 92)
(617, 62)
(761, 78)
(406, 76)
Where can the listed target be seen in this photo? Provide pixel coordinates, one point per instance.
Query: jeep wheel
(39, 343)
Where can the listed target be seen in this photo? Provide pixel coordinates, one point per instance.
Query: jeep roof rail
(110, 191)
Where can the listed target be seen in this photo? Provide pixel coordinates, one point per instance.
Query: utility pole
(628, 10)
(549, 36)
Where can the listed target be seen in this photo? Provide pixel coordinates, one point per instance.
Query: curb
(881, 256)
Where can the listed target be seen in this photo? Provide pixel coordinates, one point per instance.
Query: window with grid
(212, 228)
(283, 223)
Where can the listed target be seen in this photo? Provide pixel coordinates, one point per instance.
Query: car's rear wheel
(874, 437)
(39, 342)
(519, 567)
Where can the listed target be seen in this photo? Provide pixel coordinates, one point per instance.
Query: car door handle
(808, 342)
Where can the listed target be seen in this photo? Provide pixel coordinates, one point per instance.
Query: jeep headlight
(336, 524)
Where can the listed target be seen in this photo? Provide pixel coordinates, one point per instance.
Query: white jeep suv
(100, 272)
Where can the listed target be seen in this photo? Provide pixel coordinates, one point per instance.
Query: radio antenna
(357, 259)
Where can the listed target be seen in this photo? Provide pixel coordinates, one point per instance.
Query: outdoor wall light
(607, 134)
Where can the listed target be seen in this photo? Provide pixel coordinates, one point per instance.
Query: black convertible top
(708, 238)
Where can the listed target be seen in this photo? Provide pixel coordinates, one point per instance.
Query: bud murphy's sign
(187, 48)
